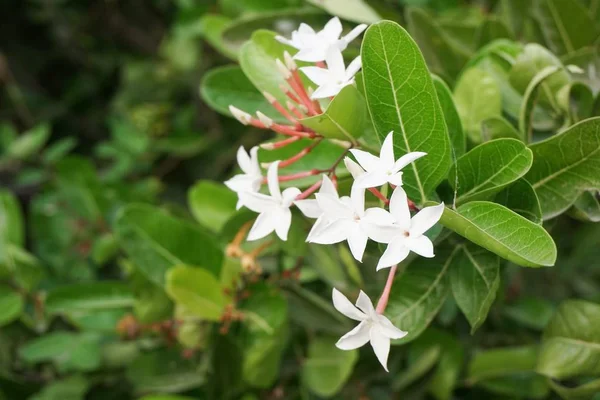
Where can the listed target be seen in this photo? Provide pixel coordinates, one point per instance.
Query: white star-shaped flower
(405, 234)
(313, 45)
(385, 168)
(374, 327)
(311, 208)
(251, 178)
(345, 219)
(274, 210)
(335, 77)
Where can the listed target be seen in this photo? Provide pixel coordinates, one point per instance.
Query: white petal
(332, 30)
(388, 329)
(357, 241)
(240, 183)
(364, 303)
(311, 54)
(425, 219)
(333, 207)
(320, 76)
(357, 196)
(395, 179)
(395, 253)
(320, 224)
(399, 208)
(386, 156)
(310, 208)
(244, 160)
(335, 62)
(368, 161)
(289, 195)
(264, 225)
(421, 245)
(354, 339)
(258, 202)
(327, 187)
(273, 180)
(354, 33)
(353, 167)
(372, 179)
(407, 159)
(343, 305)
(353, 68)
(381, 233)
(283, 222)
(381, 345)
(377, 215)
(327, 90)
(285, 41)
(254, 164)
(333, 232)
(306, 29)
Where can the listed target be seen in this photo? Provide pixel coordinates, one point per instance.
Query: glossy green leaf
(533, 313)
(327, 368)
(497, 128)
(556, 20)
(156, 241)
(582, 392)
(587, 207)
(352, 10)
(212, 204)
(345, 117)
(522, 199)
(11, 305)
(30, 142)
(571, 344)
(401, 98)
(477, 97)
(509, 371)
(197, 290)
(475, 279)
(455, 129)
(89, 296)
(527, 112)
(566, 165)
(419, 293)
(488, 168)
(225, 86)
(503, 232)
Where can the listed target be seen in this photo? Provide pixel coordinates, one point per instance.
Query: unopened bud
(283, 69)
(267, 146)
(342, 143)
(240, 115)
(289, 61)
(270, 98)
(574, 69)
(268, 122)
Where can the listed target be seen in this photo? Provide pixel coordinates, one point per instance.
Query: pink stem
(321, 64)
(284, 112)
(383, 300)
(285, 142)
(299, 156)
(291, 131)
(379, 195)
(310, 190)
(299, 175)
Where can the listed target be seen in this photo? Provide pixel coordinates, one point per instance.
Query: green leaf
(556, 19)
(582, 392)
(327, 368)
(156, 241)
(488, 168)
(522, 199)
(498, 127)
(69, 351)
(475, 279)
(345, 117)
(566, 165)
(419, 293)
(352, 10)
(103, 321)
(493, 28)
(451, 116)
(165, 397)
(509, 371)
(443, 56)
(212, 28)
(89, 296)
(197, 290)
(587, 207)
(531, 312)
(72, 388)
(11, 305)
(11, 221)
(421, 362)
(577, 99)
(212, 204)
(401, 98)
(445, 376)
(225, 86)
(503, 232)
(477, 98)
(29, 143)
(571, 344)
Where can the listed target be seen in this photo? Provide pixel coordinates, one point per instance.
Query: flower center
(406, 233)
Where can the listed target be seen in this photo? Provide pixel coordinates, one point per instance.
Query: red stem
(383, 300)
(310, 190)
(299, 175)
(298, 156)
(379, 195)
(291, 131)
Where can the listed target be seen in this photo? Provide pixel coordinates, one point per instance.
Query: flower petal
(421, 245)
(343, 305)
(388, 329)
(372, 179)
(335, 63)
(241, 183)
(357, 197)
(285, 41)
(332, 30)
(254, 164)
(243, 160)
(354, 66)
(364, 303)
(327, 187)
(310, 208)
(386, 156)
(357, 241)
(289, 195)
(264, 225)
(333, 207)
(381, 233)
(354, 33)
(354, 339)
(407, 159)
(333, 232)
(258, 202)
(311, 54)
(319, 76)
(425, 219)
(320, 224)
(327, 90)
(273, 181)
(368, 161)
(399, 208)
(395, 253)
(353, 167)
(395, 179)
(306, 29)
(283, 222)
(381, 345)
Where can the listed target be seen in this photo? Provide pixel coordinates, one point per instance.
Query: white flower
(373, 327)
(251, 178)
(405, 234)
(385, 168)
(313, 45)
(346, 216)
(311, 208)
(274, 210)
(352, 167)
(333, 79)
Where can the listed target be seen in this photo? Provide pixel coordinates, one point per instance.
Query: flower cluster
(338, 218)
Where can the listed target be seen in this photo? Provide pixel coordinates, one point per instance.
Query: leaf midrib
(566, 169)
